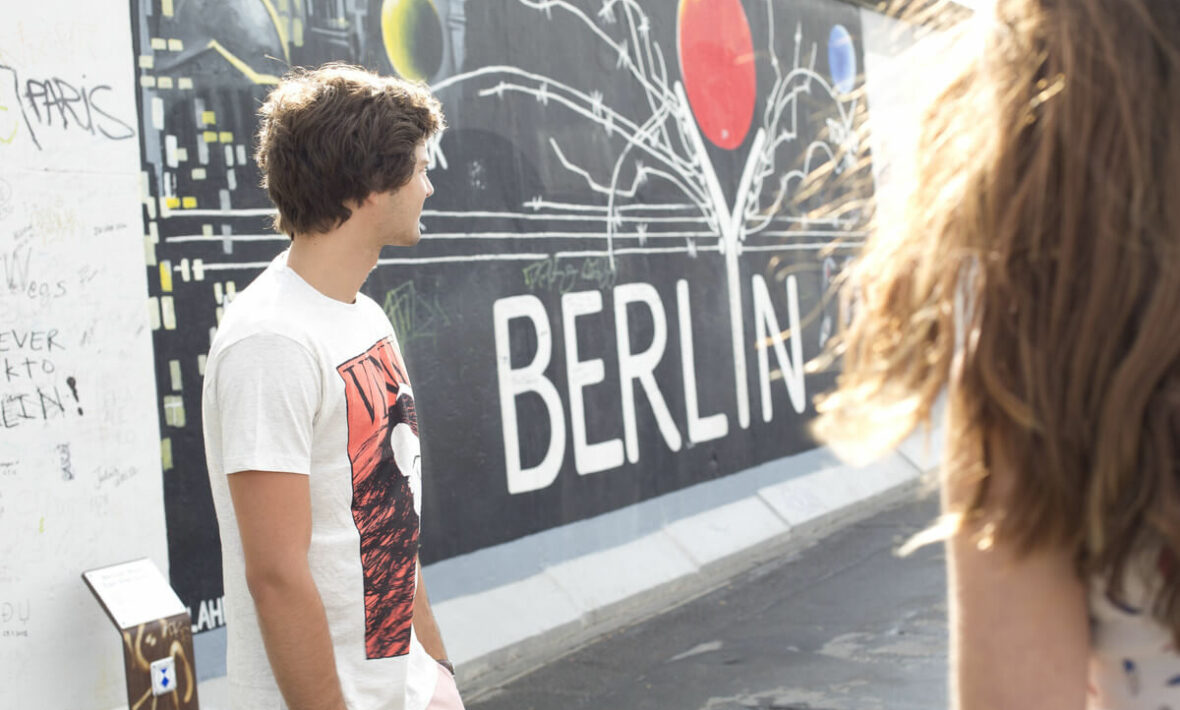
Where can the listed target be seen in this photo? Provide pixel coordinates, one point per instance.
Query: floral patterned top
(1133, 663)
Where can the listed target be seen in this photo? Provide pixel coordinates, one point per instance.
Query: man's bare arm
(274, 517)
(424, 624)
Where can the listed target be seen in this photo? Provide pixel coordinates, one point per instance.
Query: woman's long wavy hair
(1035, 276)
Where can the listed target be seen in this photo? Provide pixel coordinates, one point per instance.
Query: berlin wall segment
(606, 259)
(80, 479)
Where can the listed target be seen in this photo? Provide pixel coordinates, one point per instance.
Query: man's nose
(429, 187)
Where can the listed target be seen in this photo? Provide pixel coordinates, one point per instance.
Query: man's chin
(405, 240)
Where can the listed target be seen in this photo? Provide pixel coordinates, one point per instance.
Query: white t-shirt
(301, 383)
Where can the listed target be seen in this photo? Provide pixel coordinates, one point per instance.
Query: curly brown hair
(1035, 276)
(336, 134)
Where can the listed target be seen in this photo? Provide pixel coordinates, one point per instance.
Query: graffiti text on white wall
(53, 103)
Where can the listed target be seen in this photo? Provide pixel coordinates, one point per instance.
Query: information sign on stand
(156, 630)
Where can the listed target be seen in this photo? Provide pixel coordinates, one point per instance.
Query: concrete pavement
(842, 625)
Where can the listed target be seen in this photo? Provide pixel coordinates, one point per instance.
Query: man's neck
(335, 263)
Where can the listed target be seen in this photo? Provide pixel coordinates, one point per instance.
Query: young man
(310, 430)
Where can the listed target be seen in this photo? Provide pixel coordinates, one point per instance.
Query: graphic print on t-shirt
(383, 448)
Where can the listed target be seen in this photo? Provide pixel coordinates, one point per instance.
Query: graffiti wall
(621, 274)
(625, 265)
(80, 483)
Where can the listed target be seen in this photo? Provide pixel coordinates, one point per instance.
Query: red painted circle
(717, 63)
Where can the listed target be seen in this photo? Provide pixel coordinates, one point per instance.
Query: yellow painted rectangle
(175, 45)
(184, 83)
(147, 81)
(166, 8)
(210, 136)
(189, 202)
(166, 453)
(208, 117)
(166, 276)
(159, 43)
(146, 61)
(164, 82)
(172, 202)
(226, 137)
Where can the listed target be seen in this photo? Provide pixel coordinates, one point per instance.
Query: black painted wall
(576, 176)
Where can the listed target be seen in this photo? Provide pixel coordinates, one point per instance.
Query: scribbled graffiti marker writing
(9, 120)
(73, 385)
(65, 462)
(5, 193)
(547, 274)
(29, 389)
(16, 276)
(11, 612)
(56, 103)
(414, 315)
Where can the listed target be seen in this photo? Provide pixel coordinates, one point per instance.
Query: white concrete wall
(80, 478)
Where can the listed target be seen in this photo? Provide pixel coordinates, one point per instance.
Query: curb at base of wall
(510, 628)
(504, 632)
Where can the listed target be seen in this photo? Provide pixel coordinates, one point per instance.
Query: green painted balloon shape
(413, 37)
